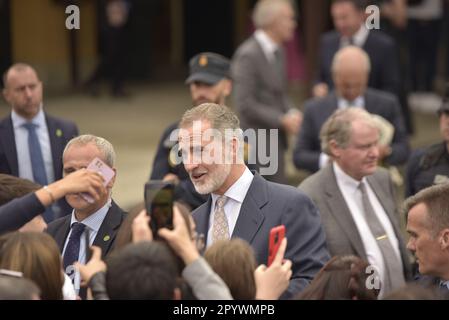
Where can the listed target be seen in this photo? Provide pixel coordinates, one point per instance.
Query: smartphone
(277, 234)
(159, 204)
(99, 166)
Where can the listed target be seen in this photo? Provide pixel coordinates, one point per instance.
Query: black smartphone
(159, 204)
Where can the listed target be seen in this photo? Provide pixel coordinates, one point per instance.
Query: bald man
(350, 72)
(31, 141)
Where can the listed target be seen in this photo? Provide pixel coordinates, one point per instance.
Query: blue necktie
(72, 250)
(37, 163)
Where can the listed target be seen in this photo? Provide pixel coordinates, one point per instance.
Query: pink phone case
(99, 166)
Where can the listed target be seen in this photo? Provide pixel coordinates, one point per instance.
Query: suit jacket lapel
(250, 216)
(56, 146)
(8, 140)
(108, 230)
(340, 210)
(62, 232)
(269, 72)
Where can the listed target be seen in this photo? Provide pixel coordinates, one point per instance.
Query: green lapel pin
(59, 133)
(106, 238)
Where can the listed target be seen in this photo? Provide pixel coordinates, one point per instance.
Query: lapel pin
(58, 133)
(106, 238)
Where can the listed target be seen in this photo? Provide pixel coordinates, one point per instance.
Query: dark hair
(224, 257)
(341, 278)
(13, 288)
(37, 256)
(360, 5)
(13, 187)
(142, 271)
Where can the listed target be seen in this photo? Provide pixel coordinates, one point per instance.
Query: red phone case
(276, 236)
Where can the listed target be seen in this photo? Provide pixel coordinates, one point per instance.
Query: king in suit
(94, 221)
(260, 83)
(356, 199)
(351, 68)
(245, 205)
(23, 91)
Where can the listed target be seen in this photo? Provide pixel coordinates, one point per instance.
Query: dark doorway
(5, 36)
(209, 26)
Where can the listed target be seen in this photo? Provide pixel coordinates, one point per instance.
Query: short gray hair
(266, 11)
(338, 127)
(102, 144)
(219, 116)
(436, 199)
(344, 51)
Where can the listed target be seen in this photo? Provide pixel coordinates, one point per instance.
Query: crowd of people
(62, 236)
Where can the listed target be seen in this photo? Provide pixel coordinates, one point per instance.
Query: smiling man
(98, 219)
(428, 227)
(242, 203)
(356, 198)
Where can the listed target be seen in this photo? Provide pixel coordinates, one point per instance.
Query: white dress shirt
(236, 194)
(93, 224)
(268, 45)
(359, 38)
(349, 187)
(23, 153)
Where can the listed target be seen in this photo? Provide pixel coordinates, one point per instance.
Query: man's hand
(320, 90)
(94, 265)
(179, 238)
(141, 228)
(292, 122)
(271, 282)
(171, 177)
(82, 180)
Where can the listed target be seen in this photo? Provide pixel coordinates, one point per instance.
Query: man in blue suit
(243, 204)
(31, 141)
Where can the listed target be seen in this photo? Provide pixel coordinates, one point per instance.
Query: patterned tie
(394, 276)
(37, 163)
(220, 229)
(72, 250)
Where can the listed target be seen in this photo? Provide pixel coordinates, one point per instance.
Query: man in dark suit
(428, 227)
(244, 205)
(31, 141)
(356, 199)
(350, 69)
(93, 221)
(350, 29)
(260, 84)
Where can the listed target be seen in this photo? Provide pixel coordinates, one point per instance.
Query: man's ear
(444, 239)
(227, 87)
(177, 294)
(334, 149)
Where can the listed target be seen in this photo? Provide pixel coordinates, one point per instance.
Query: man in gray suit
(356, 198)
(350, 69)
(260, 83)
(243, 204)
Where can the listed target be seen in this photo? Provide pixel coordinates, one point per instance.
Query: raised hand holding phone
(107, 172)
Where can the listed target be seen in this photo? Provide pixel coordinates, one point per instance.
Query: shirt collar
(267, 44)
(345, 180)
(239, 189)
(361, 35)
(357, 102)
(18, 120)
(94, 221)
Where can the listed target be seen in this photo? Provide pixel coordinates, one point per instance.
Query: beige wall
(39, 37)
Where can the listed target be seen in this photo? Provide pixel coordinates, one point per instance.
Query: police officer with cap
(209, 81)
(430, 166)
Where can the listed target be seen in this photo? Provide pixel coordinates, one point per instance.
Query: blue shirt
(23, 153)
(93, 224)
